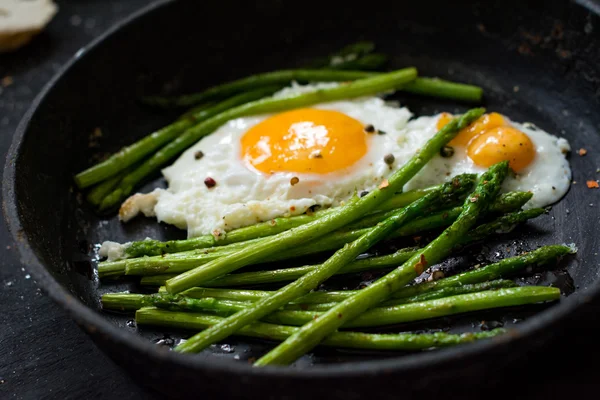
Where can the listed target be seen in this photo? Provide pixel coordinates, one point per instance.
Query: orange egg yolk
(482, 124)
(490, 140)
(502, 144)
(305, 141)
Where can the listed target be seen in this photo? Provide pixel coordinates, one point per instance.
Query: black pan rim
(94, 323)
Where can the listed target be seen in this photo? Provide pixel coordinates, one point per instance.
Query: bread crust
(15, 30)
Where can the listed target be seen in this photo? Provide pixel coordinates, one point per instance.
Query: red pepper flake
(592, 184)
(420, 266)
(210, 182)
(582, 152)
(384, 184)
(293, 208)
(294, 180)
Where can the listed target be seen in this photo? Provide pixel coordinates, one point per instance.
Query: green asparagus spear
(312, 333)
(253, 82)
(97, 193)
(357, 340)
(132, 302)
(328, 223)
(434, 87)
(311, 280)
(441, 88)
(378, 316)
(382, 316)
(135, 301)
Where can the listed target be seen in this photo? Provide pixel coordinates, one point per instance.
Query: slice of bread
(21, 20)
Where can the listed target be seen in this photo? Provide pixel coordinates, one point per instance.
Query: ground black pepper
(369, 128)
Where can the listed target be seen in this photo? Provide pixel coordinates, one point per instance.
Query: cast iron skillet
(538, 61)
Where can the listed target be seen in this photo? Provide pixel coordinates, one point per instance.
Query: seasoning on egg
(316, 154)
(369, 128)
(210, 182)
(389, 159)
(198, 155)
(294, 180)
(447, 151)
(380, 132)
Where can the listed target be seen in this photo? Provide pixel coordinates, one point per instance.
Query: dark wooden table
(43, 354)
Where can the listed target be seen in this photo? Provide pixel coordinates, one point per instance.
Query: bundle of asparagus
(192, 267)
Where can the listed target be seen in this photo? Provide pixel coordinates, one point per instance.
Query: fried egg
(537, 158)
(257, 168)
(261, 167)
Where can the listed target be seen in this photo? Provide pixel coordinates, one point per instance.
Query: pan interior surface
(533, 66)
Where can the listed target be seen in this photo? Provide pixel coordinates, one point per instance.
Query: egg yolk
(482, 124)
(500, 144)
(305, 141)
(490, 140)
